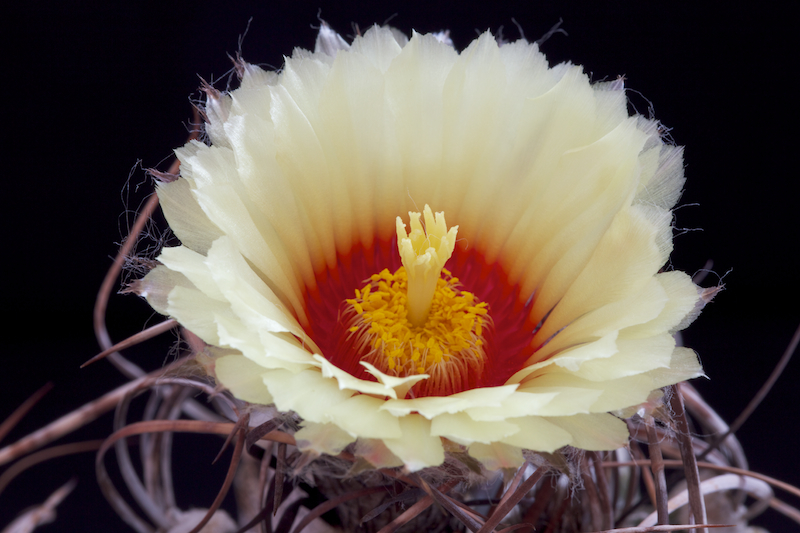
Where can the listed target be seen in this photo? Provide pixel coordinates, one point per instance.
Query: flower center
(505, 338)
(417, 320)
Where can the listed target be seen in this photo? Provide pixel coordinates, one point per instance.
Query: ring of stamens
(449, 347)
(417, 320)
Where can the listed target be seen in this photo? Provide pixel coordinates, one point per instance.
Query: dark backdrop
(95, 93)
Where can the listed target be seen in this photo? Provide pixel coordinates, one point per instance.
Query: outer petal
(306, 392)
(360, 416)
(243, 376)
(497, 455)
(594, 432)
(322, 438)
(432, 406)
(417, 448)
(537, 433)
(459, 427)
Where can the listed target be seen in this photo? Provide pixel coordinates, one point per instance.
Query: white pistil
(424, 251)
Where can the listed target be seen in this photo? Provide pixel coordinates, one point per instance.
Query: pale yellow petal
(377, 45)
(610, 394)
(683, 365)
(322, 438)
(192, 265)
(538, 433)
(570, 397)
(683, 296)
(531, 402)
(622, 264)
(460, 428)
(401, 386)
(186, 219)
(431, 406)
(267, 349)
(375, 452)
(250, 298)
(497, 455)
(306, 392)
(417, 448)
(197, 312)
(242, 377)
(157, 284)
(634, 356)
(360, 416)
(594, 432)
(347, 381)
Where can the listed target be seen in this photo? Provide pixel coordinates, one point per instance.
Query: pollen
(448, 347)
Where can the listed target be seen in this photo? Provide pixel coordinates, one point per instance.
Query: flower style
(550, 205)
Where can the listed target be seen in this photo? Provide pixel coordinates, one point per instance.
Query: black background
(94, 93)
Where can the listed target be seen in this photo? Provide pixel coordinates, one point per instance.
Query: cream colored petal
(186, 219)
(322, 438)
(611, 394)
(417, 448)
(250, 298)
(471, 103)
(623, 263)
(242, 377)
(328, 41)
(361, 417)
(267, 349)
(414, 84)
(541, 140)
(571, 398)
(269, 190)
(231, 215)
(192, 265)
(221, 194)
(347, 381)
(375, 452)
(379, 46)
(217, 110)
(301, 157)
(683, 296)
(497, 455)
(538, 434)
(252, 96)
(198, 313)
(642, 306)
(634, 356)
(431, 406)
(307, 393)
(354, 113)
(255, 76)
(598, 431)
(460, 428)
(516, 405)
(683, 365)
(401, 386)
(286, 347)
(587, 187)
(157, 284)
(572, 358)
(662, 177)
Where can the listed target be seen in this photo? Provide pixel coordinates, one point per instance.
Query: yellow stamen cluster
(448, 346)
